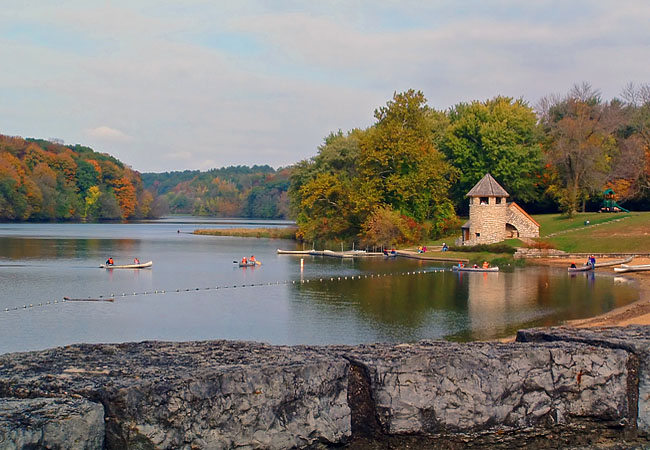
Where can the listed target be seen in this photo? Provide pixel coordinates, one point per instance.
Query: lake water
(206, 296)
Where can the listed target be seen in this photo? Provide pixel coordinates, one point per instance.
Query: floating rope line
(112, 296)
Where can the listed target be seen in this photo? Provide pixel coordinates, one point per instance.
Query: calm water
(41, 263)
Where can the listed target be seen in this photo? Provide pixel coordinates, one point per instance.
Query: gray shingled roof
(487, 187)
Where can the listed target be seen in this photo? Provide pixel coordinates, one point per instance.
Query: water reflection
(281, 303)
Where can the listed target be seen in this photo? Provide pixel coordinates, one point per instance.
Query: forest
(236, 191)
(42, 180)
(404, 179)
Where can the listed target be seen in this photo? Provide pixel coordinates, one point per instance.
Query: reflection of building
(497, 300)
(492, 219)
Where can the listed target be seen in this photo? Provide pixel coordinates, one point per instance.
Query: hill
(43, 180)
(236, 191)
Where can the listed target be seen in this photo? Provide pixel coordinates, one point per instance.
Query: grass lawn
(553, 223)
(629, 235)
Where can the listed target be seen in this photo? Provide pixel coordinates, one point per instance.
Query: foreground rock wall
(222, 394)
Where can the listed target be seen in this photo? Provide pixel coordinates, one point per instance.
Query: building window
(498, 200)
(485, 200)
(478, 235)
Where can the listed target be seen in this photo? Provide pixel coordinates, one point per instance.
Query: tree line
(236, 191)
(43, 180)
(404, 178)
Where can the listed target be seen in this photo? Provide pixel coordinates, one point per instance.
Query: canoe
(615, 263)
(474, 269)
(127, 266)
(624, 268)
(294, 252)
(248, 264)
(584, 268)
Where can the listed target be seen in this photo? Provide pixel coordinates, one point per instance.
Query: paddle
(259, 263)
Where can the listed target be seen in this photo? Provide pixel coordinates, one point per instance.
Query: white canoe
(615, 263)
(474, 269)
(127, 266)
(625, 268)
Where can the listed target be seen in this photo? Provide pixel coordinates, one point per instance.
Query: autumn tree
(579, 144)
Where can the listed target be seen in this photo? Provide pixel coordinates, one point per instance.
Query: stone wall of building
(580, 390)
(488, 220)
(523, 224)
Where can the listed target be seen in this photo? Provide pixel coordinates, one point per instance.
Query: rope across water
(112, 296)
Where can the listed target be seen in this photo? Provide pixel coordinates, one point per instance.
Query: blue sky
(169, 85)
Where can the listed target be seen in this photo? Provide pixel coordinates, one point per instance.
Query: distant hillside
(236, 191)
(43, 180)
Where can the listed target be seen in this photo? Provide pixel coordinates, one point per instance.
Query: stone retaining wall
(579, 390)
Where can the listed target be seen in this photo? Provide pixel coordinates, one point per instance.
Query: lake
(194, 291)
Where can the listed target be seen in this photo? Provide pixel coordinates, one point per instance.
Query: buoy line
(113, 296)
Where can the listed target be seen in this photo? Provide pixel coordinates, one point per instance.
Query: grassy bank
(272, 233)
(605, 233)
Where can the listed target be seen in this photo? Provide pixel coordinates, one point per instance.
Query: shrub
(491, 248)
(542, 245)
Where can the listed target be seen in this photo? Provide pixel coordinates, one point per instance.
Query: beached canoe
(639, 268)
(474, 269)
(614, 263)
(584, 268)
(127, 266)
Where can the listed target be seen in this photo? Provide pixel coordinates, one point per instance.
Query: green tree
(498, 136)
(399, 164)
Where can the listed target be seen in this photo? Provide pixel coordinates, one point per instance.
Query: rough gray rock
(52, 423)
(459, 388)
(194, 395)
(634, 339)
(221, 394)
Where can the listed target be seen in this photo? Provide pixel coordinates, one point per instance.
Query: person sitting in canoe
(475, 266)
(244, 260)
(136, 261)
(109, 261)
(460, 264)
(252, 259)
(486, 264)
(573, 265)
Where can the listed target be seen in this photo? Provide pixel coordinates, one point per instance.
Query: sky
(174, 85)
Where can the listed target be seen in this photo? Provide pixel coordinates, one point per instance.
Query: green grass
(627, 236)
(553, 223)
(273, 233)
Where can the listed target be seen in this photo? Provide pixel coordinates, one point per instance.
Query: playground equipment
(609, 203)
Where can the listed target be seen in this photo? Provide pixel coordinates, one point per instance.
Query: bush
(490, 248)
(542, 245)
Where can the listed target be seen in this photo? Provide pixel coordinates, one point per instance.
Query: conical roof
(487, 187)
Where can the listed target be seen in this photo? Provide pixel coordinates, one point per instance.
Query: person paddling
(109, 261)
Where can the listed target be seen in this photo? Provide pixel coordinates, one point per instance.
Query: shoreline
(635, 313)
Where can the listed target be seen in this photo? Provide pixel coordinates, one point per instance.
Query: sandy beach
(637, 313)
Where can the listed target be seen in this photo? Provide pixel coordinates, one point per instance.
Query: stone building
(492, 219)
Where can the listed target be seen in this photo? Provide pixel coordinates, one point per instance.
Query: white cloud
(170, 95)
(107, 134)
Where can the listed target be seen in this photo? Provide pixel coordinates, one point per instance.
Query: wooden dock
(429, 256)
(332, 254)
